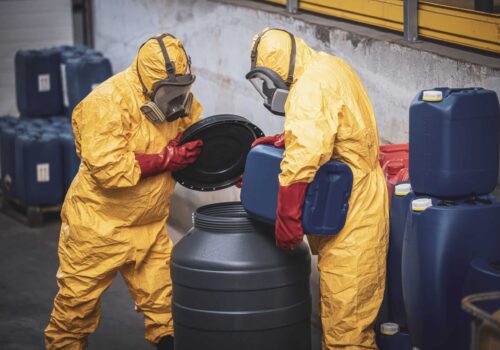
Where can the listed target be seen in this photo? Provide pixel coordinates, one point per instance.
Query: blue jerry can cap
(389, 328)
(421, 204)
(432, 96)
(402, 189)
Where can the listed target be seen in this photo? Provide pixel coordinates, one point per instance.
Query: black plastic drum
(234, 290)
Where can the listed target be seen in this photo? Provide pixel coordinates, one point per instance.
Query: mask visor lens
(172, 92)
(264, 85)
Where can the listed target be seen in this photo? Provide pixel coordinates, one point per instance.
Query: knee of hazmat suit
(111, 217)
(328, 115)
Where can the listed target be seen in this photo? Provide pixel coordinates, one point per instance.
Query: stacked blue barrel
(445, 225)
(38, 159)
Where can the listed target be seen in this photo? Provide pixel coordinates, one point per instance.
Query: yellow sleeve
(194, 116)
(103, 144)
(311, 121)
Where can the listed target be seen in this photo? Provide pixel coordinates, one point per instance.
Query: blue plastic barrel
(38, 82)
(38, 169)
(327, 198)
(71, 162)
(454, 142)
(441, 240)
(83, 74)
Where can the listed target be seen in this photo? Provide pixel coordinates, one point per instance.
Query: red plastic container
(394, 162)
(390, 152)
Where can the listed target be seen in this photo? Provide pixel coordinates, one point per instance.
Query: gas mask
(170, 98)
(273, 89)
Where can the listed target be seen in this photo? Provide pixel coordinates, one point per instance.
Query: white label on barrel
(43, 82)
(43, 172)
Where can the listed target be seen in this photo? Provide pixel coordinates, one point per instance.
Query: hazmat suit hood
(151, 63)
(274, 52)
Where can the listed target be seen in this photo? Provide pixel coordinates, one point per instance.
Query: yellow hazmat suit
(328, 115)
(111, 220)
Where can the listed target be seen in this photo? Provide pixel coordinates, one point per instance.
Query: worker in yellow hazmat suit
(328, 115)
(127, 134)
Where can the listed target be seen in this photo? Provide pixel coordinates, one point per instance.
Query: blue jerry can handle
(327, 199)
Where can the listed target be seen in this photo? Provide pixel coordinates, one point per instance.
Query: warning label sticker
(43, 82)
(43, 172)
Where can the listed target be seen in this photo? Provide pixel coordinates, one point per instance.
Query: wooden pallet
(33, 216)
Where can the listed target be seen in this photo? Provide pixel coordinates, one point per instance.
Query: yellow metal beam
(381, 13)
(459, 26)
(280, 2)
(455, 25)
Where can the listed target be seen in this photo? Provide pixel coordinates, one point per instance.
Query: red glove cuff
(150, 164)
(289, 231)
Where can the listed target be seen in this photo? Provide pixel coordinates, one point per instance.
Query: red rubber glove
(289, 232)
(172, 158)
(276, 140)
(175, 142)
(239, 184)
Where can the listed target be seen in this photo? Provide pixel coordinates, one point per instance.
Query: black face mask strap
(169, 66)
(167, 58)
(291, 66)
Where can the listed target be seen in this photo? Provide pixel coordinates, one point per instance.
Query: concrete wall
(28, 24)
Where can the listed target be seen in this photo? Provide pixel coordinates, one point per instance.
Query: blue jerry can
(7, 138)
(38, 82)
(38, 169)
(83, 74)
(327, 198)
(8, 158)
(441, 239)
(71, 162)
(454, 142)
(399, 210)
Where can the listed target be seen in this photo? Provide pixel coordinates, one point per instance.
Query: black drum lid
(227, 139)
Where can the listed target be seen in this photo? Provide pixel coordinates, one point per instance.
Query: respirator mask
(170, 98)
(273, 89)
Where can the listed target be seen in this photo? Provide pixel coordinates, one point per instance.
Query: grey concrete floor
(28, 264)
